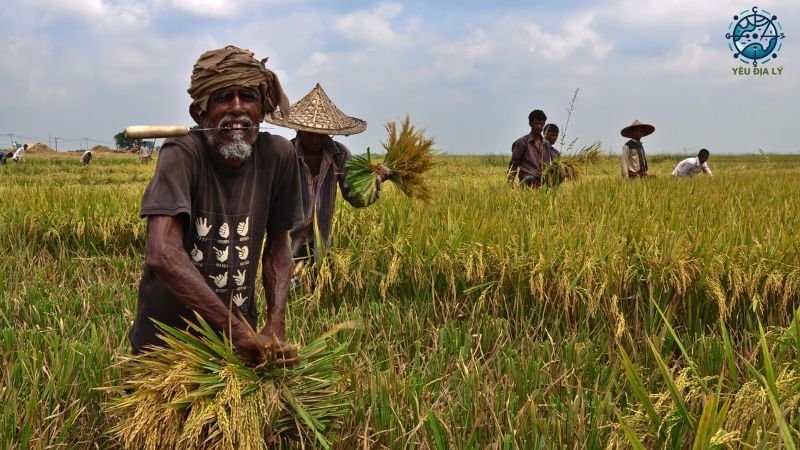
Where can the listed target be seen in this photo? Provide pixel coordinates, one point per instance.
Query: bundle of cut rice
(569, 167)
(196, 393)
(409, 154)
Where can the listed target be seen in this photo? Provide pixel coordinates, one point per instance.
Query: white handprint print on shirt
(224, 231)
(239, 277)
(222, 255)
(220, 280)
(238, 300)
(202, 226)
(197, 254)
(243, 252)
(243, 227)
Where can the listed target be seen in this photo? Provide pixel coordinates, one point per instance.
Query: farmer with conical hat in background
(634, 161)
(322, 167)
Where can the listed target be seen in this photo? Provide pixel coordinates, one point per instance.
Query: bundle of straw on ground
(409, 154)
(195, 393)
(569, 167)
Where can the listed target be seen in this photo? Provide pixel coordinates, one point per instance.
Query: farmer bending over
(322, 167)
(213, 197)
(19, 155)
(86, 158)
(530, 153)
(690, 167)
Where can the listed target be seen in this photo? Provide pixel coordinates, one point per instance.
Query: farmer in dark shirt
(530, 153)
(214, 196)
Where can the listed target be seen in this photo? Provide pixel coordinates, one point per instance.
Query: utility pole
(55, 139)
(87, 143)
(12, 141)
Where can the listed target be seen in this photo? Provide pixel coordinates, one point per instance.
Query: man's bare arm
(277, 270)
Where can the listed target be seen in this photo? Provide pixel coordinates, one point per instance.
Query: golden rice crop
(569, 167)
(409, 154)
(195, 393)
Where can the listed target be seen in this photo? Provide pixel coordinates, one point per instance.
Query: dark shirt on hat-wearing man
(320, 192)
(634, 161)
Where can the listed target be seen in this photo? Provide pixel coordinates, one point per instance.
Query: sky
(469, 72)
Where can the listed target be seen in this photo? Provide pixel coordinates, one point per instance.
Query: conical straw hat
(648, 129)
(316, 113)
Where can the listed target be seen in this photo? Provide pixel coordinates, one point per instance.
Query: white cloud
(576, 33)
(207, 8)
(314, 65)
(98, 13)
(694, 55)
(681, 13)
(84, 8)
(370, 26)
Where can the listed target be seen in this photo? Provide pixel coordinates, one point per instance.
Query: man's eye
(249, 94)
(222, 96)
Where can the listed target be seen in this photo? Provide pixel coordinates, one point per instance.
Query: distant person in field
(214, 197)
(551, 136)
(634, 160)
(19, 155)
(145, 154)
(86, 158)
(322, 167)
(690, 167)
(530, 153)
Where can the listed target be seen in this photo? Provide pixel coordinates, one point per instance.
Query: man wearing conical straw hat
(322, 166)
(634, 161)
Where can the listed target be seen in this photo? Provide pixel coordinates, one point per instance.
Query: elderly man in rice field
(634, 161)
(530, 153)
(215, 195)
(322, 168)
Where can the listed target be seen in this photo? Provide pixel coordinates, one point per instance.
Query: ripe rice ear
(195, 393)
(570, 167)
(409, 154)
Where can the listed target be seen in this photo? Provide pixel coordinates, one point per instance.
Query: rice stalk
(569, 167)
(362, 178)
(409, 154)
(195, 393)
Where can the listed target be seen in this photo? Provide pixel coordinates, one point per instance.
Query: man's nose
(237, 103)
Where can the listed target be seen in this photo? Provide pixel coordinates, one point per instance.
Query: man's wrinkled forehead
(250, 93)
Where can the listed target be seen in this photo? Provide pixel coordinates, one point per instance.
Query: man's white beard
(239, 149)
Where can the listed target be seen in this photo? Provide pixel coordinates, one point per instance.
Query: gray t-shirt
(225, 215)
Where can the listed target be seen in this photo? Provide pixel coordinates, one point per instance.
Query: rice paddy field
(659, 313)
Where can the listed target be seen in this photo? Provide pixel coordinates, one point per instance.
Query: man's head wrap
(233, 66)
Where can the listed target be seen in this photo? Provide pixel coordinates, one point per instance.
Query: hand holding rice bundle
(569, 167)
(409, 154)
(196, 393)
